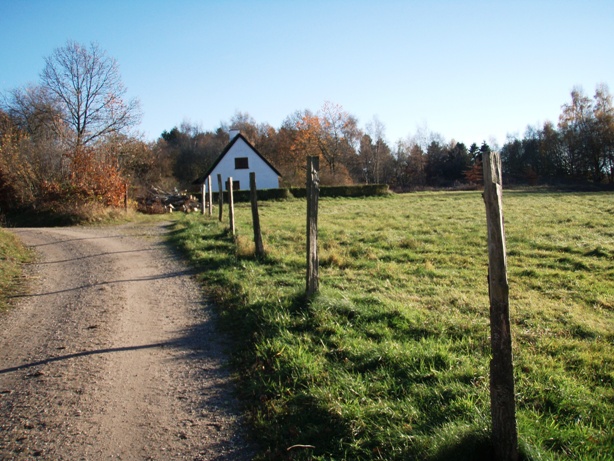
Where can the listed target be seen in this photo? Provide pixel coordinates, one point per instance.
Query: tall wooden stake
(231, 207)
(220, 196)
(502, 400)
(210, 203)
(313, 193)
(204, 192)
(253, 196)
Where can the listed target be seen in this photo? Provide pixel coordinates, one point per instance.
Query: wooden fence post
(231, 206)
(313, 193)
(220, 196)
(210, 207)
(204, 192)
(502, 399)
(125, 196)
(253, 196)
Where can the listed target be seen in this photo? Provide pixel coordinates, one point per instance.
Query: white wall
(266, 178)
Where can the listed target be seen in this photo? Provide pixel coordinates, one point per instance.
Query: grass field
(12, 255)
(390, 360)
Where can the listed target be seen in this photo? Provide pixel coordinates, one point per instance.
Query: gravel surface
(113, 354)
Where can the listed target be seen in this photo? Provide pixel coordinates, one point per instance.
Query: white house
(238, 159)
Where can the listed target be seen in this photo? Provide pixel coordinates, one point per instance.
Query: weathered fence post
(125, 196)
(502, 400)
(220, 196)
(313, 193)
(204, 192)
(231, 206)
(210, 208)
(253, 196)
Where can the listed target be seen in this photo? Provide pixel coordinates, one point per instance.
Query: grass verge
(72, 214)
(12, 256)
(390, 360)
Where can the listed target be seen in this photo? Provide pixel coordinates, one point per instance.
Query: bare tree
(87, 88)
(337, 134)
(603, 113)
(246, 124)
(34, 112)
(576, 127)
(377, 131)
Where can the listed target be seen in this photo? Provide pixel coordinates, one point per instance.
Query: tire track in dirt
(113, 355)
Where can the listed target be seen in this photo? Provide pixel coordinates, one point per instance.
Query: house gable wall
(266, 178)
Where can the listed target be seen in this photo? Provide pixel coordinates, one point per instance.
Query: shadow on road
(82, 354)
(110, 282)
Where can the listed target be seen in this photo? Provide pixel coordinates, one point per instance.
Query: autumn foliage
(80, 176)
(474, 174)
(16, 177)
(64, 143)
(89, 179)
(332, 135)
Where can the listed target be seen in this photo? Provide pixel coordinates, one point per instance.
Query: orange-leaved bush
(93, 178)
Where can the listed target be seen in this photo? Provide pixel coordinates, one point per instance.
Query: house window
(236, 185)
(241, 163)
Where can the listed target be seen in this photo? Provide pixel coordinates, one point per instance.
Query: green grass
(390, 360)
(12, 256)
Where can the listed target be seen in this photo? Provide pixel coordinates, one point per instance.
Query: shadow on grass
(288, 421)
(469, 446)
(475, 445)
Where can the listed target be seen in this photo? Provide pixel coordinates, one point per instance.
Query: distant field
(390, 360)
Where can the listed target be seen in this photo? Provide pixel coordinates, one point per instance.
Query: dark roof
(202, 179)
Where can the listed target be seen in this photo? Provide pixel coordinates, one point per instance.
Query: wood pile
(158, 201)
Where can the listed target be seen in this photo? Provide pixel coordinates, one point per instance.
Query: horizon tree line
(69, 139)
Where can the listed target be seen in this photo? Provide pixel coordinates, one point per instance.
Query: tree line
(349, 154)
(579, 148)
(69, 139)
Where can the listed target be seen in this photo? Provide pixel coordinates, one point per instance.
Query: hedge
(365, 190)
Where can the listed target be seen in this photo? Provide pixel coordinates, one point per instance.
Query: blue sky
(470, 70)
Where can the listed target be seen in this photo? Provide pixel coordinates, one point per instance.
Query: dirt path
(113, 355)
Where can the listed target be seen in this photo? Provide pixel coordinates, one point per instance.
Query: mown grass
(13, 254)
(390, 360)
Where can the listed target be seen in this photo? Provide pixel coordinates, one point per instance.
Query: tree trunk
(502, 400)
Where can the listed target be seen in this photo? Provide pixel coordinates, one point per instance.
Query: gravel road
(113, 354)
